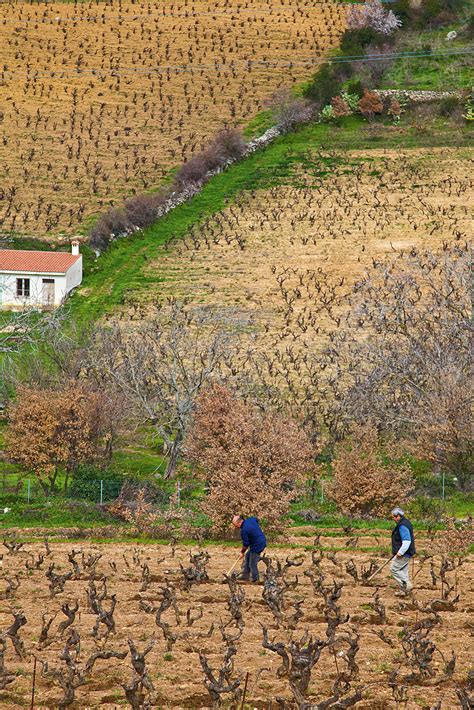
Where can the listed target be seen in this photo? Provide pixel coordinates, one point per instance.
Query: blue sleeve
(245, 537)
(404, 533)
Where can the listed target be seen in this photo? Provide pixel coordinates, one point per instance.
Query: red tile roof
(49, 262)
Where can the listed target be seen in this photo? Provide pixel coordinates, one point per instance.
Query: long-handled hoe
(233, 566)
(380, 569)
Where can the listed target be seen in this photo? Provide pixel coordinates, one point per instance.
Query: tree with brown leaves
(250, 460)
(370, 104)
(50, 429)
(364, 484)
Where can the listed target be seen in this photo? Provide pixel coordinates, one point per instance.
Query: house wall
(74, 275)
(9, 298)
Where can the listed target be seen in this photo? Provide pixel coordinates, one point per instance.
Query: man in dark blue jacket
(253, 544)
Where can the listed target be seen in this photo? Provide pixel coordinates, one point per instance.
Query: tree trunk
(66, 481)
(174, 453)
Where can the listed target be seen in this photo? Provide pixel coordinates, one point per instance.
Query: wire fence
(16, 489)
(28, 489)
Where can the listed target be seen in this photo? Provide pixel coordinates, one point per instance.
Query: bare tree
(161, 365)
(402, 357)
(21, 330)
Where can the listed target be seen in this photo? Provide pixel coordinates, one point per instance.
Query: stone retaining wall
(418, 97)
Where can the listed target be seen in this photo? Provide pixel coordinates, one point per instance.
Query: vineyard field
(100, 100)
(136, 577)
(334, 220)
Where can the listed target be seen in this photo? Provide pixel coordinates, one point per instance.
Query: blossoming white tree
(373, 14)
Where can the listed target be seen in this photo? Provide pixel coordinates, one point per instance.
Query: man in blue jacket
(403, 549)
(253, 544)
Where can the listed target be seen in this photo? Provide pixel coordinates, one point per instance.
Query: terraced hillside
(331, 221)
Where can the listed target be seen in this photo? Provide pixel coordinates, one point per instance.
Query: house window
(23, 288)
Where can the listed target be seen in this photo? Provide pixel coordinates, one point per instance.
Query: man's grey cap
(397, 511)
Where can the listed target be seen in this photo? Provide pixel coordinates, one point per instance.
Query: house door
(48, 292)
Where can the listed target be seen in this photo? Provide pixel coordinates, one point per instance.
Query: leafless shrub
(419, 652)
(12, 632)
(12, 585)
(288, 110)
(139, 664)
(104, 617)
(142, 210)
(70, 612)
(168, 601)
(332, 611)
(230, 144)
(340, 688)
(43, 640)
(194, 171)
(379, 608)
(6, 677)
(13, 546)
(274, 588)
(35, 564)
(113, 223)
(56, 581)
(380, 344)
(457, 537)
(161, 365)
(191, 618)
(72, 675)
(76, 570)
(235, 600)
(196, 572)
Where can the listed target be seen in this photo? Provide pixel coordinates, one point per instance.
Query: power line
(234, 65)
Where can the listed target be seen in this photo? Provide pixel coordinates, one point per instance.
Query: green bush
(449, 105)
(427, 484)
(355, 87)
(324, 86)
(426, 508)
(403, 10)
(354, 42)
(469, 30)
(85, 484)
(440, 12)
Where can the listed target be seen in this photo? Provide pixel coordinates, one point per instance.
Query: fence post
(28, 494)
(322, 491)
(101, 493)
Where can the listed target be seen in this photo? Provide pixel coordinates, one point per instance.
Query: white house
(39, 279)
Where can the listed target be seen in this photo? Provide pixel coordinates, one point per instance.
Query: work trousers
(249, 565)
(399, 569)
